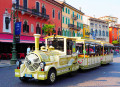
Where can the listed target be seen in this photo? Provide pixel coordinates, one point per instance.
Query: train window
(57, 43)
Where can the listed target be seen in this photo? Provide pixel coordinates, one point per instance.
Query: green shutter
(77, 15)
(66, 20)
(63, 32)
(63, 9)
(73, 13)
(63, 19)
(66, 10)
(81, 17)
(81, 26)
(73, 22)
(73, 34)
(68, 33)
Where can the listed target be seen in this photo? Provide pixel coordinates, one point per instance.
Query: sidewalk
(6, 63)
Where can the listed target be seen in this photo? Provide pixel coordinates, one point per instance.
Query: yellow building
(72, 21)
(86, 31)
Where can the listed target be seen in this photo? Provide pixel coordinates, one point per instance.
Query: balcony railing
(72, 26)
(87, 33)
(32, 12)
(74, 17)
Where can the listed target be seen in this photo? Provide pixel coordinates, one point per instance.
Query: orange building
(113, 34)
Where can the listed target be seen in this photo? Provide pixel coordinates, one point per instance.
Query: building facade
(113, 27)
(86, 31)
(32, 14)
(72, 21)
(112, 20)
(113, 34)
(99, 29)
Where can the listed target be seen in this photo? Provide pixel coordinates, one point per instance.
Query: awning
(23, 39)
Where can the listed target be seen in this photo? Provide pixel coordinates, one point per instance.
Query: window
(54, 31)
(32, 28)
(59, 31)
(38, 29)
(112, 32)
(81, 17)
(25, 27)
(66, 20)
(107, 33)
(73, 22)
(25, 4)
(66, 10)
(96, 32)
(77, 15)
(63, 9)
(73, 13)
(42, 30)
(37, 6)
(91, 31)
(99, 32)
(95, 25)
(99, 26)
(17, 3)
(63, 19)
(43, 9)
(81, 26)
(59, 15)
(113, 38)
(53, 13)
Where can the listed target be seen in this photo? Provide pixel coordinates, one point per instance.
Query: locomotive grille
(32, 62)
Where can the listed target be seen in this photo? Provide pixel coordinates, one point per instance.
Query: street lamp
(14, 59)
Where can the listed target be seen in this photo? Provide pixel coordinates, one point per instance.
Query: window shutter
(66, 20)
(27, 28)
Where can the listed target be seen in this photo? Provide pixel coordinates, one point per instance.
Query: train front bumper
(40, 75)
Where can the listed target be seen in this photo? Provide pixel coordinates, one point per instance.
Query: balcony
(32, 12)
(75, 17)
(87, 33)
(72, 26)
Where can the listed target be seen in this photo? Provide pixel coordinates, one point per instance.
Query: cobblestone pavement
(104, 76)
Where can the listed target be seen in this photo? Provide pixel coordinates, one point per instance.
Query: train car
(107, 55)
(57, 57)
(88, 53)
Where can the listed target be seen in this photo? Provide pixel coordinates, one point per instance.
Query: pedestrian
(28, 50)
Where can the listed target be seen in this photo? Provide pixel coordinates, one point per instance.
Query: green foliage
(48, 28)
(115, 42)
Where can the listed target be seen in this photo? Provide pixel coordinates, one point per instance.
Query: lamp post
(14, 59)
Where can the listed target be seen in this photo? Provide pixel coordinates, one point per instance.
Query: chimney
(80, 8)
(64, 1)
(37, 36)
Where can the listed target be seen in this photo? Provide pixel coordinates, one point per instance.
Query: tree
(115, 42)
(48, 28)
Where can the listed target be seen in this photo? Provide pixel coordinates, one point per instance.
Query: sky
(97, 8)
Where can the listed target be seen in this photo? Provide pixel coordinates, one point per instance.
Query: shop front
(21, 47)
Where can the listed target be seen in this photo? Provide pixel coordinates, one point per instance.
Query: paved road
(104, 76)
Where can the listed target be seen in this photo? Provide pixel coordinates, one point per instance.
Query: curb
(6, 65)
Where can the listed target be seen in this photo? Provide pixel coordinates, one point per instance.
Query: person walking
(28, 50)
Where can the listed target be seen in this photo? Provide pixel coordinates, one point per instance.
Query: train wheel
(51, 77)
(24, 79)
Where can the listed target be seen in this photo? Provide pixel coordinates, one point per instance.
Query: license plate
(28, 75)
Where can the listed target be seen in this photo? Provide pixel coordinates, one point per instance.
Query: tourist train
(61, 55)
